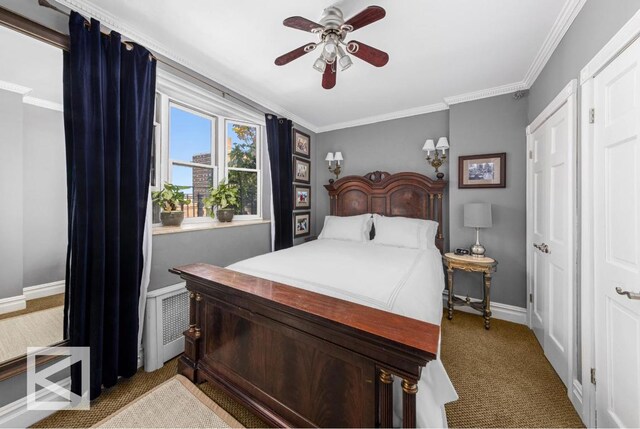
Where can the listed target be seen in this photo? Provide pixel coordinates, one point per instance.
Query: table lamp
(477, 215)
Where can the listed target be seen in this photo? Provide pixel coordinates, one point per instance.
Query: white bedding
(403, 281)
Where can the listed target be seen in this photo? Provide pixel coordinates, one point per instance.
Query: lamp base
(477, 250)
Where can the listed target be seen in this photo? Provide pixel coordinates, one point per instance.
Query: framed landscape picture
(301, 170)
(301, 224)
(301, 144)
(302, 197)
(482, 171)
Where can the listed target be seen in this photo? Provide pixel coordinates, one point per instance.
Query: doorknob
(544, 248)
(630, 295)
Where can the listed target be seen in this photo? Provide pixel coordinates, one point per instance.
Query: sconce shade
(443, 143)
(477, 215)
(338, 157)
(428, 146)
(329, 157)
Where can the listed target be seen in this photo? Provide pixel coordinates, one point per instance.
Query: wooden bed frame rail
(297, 358)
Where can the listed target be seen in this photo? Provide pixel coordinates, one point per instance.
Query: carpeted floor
(501, 375)
(37, 305)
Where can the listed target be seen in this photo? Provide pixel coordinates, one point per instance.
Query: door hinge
(530, 154)
(531, 298)
(592, 116)
(593, 376)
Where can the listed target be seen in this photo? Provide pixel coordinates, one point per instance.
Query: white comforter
(404, 281)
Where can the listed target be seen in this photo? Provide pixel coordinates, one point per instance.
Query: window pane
(189, 137)
(241, 145)
(199, 180)
(247, 183)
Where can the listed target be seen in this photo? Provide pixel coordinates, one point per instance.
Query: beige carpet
(501, 375)
(37, 329)
(37, 305)
(176, 403)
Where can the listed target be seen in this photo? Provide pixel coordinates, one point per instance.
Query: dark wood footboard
(298, 358)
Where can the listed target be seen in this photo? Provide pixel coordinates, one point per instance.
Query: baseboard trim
(507, 312)
(16, 414)
(13, 303)
(43, 290)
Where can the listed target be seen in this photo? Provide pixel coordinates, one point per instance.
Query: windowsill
(189, 227)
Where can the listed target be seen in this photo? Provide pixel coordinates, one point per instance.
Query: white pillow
(349, 228)
(405, 232)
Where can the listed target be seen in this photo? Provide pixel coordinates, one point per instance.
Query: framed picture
(301, 144)
(302, 197)
(301, 170)
(301, 224)
(482, 171)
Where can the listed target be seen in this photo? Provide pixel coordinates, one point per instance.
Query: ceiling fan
(332, 31)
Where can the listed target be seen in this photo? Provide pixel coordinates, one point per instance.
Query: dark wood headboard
(402, 194)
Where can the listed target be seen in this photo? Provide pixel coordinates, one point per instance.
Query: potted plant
(171, 199)
(224, 198)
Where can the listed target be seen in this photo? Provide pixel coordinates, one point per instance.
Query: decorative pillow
(405, 232)
(349, 228)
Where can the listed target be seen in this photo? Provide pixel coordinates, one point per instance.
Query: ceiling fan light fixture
(345, 62)
(320, 64)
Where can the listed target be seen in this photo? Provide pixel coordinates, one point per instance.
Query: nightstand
(484, 265)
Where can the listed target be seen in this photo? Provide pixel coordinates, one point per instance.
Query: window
(201, 140)
(242, 164)
(192, 156)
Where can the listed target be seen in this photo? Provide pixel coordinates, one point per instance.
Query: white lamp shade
(329, 157)
(443, 143)
(477, 215)
(338, 157)
(428, 146)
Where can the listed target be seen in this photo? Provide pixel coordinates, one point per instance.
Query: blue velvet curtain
(279, 144)
(109, 96)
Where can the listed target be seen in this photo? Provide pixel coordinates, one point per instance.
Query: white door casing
(551, 189)
(616, 217)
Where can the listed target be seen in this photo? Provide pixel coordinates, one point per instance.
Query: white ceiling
(31, 67)
(438, 49)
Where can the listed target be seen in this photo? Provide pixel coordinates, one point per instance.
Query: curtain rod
(129, 45)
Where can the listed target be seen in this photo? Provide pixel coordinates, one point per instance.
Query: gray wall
(594, 26)
(44, 235)
(492, 125)
(11, 186)
(221, 246)
(393, 146)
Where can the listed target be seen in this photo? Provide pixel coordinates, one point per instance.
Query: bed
(315, 335)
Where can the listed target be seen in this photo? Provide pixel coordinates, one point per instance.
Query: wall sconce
(335, 169)
(438, 159)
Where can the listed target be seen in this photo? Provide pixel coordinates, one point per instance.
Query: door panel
(540, 193)
(616, 255)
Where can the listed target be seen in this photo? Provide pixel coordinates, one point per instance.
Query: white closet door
(551, 199)
(617, 240)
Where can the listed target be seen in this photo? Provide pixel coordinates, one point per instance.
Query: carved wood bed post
(385, 386)
(188, 362)
(409, 390)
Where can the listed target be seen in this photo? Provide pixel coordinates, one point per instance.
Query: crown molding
(12, 87)
(566, 17)
(568, 14)
(153, 45)
(486, 93)
(385, 117)
(45, 104)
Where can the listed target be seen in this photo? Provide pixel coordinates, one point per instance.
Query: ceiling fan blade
(329, 76)
(366, 17)
(295, 54)
(367, 53)
(301, 23)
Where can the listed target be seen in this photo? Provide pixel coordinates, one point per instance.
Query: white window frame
(172, 90)
(257, 170)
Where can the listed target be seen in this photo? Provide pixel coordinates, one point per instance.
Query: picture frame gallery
(482, 171)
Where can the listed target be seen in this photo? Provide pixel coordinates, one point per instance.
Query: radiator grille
(175, 317)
